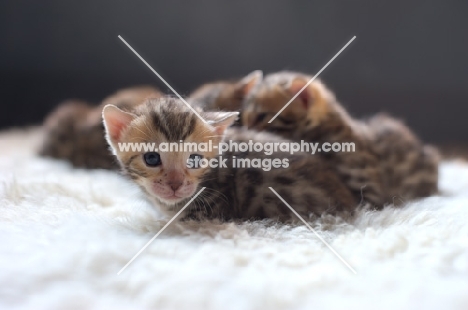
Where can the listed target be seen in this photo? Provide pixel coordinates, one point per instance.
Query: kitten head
(266, 99)
(226, 96)
(164, 175)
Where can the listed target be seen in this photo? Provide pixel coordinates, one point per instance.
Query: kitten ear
(221, 120)
(306, 95)
(249, 81)
(115, 121)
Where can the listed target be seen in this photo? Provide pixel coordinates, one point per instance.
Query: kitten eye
(195, 159)
(152, 159)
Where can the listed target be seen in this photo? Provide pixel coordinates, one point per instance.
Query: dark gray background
(410, 58)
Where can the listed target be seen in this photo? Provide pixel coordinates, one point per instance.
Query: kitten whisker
(221, 195)
(205, 202)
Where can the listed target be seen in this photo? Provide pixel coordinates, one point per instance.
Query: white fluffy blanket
(65, 233)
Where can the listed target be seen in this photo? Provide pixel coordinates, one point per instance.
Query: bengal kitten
(74, 131)
(309, 185)
(389, 165)
(224, 95)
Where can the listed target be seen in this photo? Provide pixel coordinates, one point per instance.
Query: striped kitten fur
(309, 184)
(390, 164)
(74, 131)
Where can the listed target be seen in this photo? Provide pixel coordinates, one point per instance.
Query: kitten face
(165, 176)
(270, 96)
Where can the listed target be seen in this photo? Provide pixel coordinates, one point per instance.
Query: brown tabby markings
(385, 164)
(74, 131)
(175, 128)
(231, 193)
(390, 166)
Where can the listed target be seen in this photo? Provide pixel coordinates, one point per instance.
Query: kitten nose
(175, 185)
(174, 179)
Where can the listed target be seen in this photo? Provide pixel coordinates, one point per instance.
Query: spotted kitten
(390, 164)
(74, 131)
(308, 184)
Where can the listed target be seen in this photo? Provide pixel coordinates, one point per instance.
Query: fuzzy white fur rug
(65, 234)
